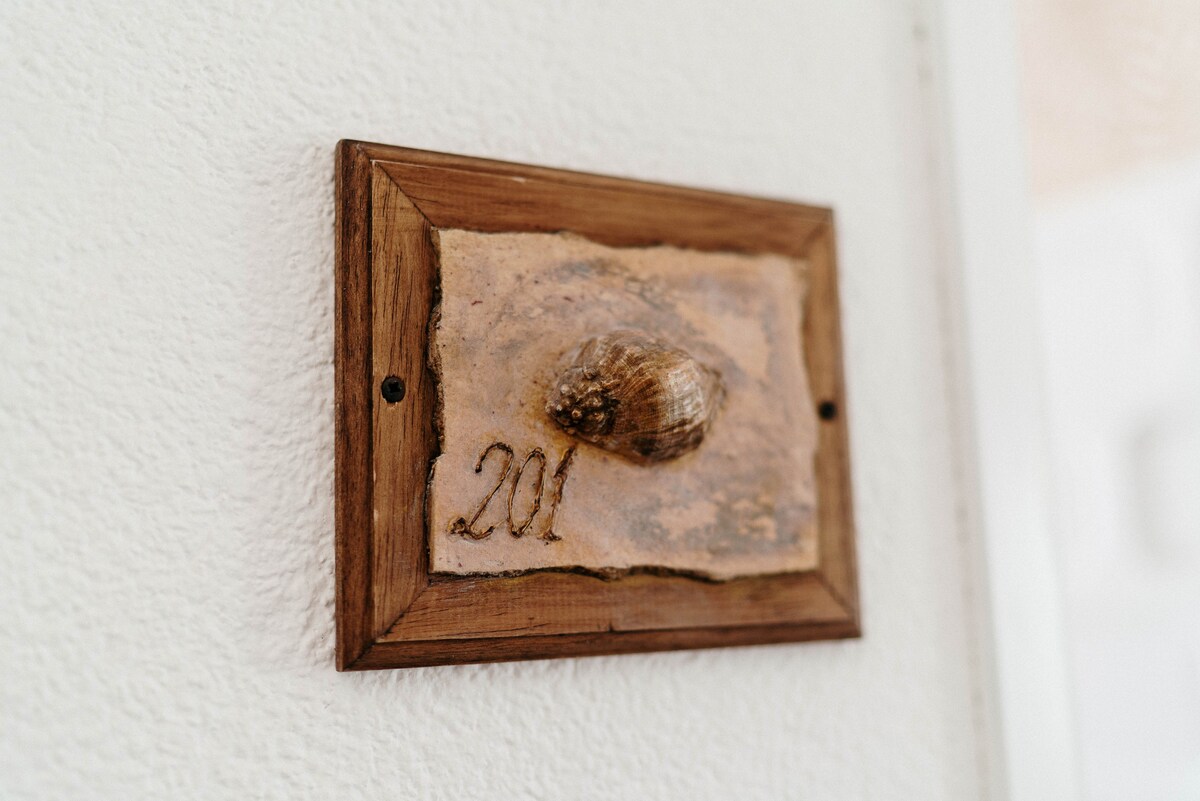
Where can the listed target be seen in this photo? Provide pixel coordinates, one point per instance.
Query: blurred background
(1111, 90)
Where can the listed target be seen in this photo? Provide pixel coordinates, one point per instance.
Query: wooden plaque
(399, 211)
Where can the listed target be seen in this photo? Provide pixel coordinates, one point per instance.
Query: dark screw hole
(392, 389)
(827, 410)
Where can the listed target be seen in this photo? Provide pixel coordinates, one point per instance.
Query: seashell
(631, 394)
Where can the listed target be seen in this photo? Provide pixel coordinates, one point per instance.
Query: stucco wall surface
(166, 420)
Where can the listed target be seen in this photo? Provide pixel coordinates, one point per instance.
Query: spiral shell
(631, 394)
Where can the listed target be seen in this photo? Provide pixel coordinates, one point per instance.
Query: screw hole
(827, 410)
(392, 389)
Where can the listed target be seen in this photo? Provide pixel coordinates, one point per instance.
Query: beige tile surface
(513, 308)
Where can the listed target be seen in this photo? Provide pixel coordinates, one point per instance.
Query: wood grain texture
(390, 613)
(563, 603)
(352, 405)
(507, 649)
(403, 278)
(612, 213)
(823, 351)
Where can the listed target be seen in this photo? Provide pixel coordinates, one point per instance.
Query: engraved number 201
(467, 528)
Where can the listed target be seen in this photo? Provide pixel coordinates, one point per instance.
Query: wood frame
(390, 611)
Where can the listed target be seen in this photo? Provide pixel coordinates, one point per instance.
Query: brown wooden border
(390, 611)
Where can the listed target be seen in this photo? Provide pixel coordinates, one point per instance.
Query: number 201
(558, 480)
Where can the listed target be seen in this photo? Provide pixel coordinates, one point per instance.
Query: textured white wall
(166, 325)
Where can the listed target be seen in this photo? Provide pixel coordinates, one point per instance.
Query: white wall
(1111, 91)
(165, 400)
(1003, 441)
(1119, 281)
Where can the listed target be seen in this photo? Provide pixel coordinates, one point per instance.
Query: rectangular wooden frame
(390, 611)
